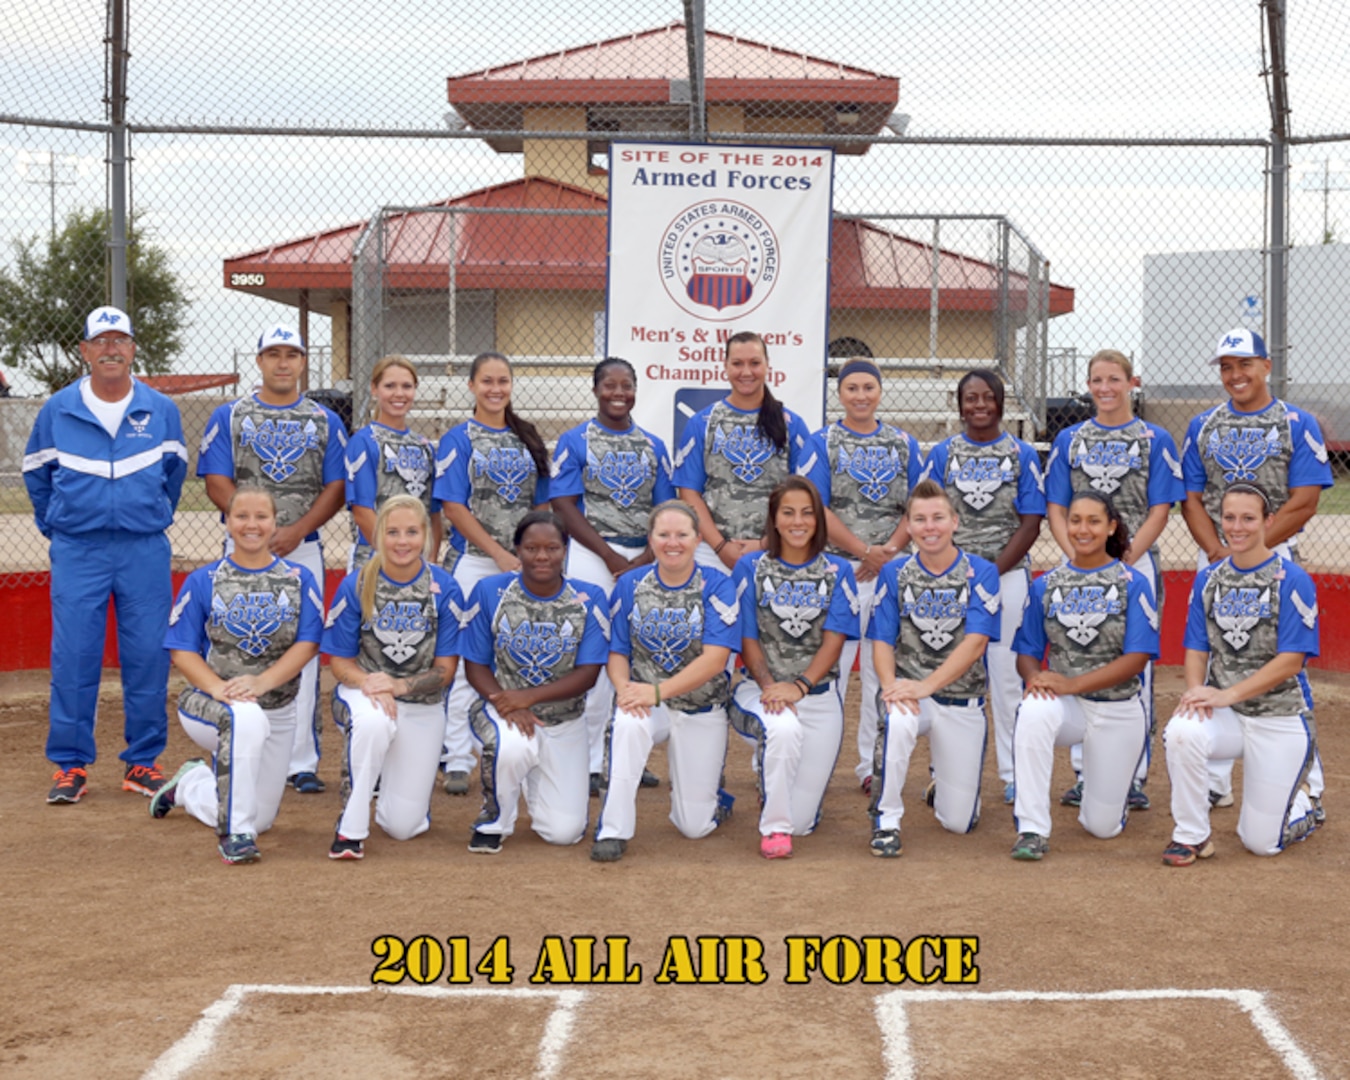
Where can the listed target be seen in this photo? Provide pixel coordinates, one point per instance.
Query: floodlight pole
(1277, 310)
(117, 151)
(697, 49)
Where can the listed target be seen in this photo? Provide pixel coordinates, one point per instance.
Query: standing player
(491, 471)
(534, 644)
(936, 612)
(994, 481)
(385, 458)
(1096, 618)
(241, 632)
(607, 475)
(676, 624)
(799, 606)
(1253, 438)
(864, 470)
(1251, 627)
(735, 452)
(392, 637)
(1133, 462)
(293, 447)
(104, 468)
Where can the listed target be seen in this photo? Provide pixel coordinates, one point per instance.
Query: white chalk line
(189, 1051)
(899, 1058)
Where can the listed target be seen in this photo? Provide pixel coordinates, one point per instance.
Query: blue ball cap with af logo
(281, 335)
(106, 320)
(1240, 343)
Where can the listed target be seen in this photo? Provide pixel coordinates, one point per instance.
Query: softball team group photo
(525, 625)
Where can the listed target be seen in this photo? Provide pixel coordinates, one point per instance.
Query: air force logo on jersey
(506, 466)
(399, 627)
(745, 448)
(623, 472)
(1239, 452)
(935, 613)
(978, 479)
(537, 647)
(873, 467)
(667, 632)
(139, 423)
(252, 618)
(795, 604)
(413, 465)
(1081, 610)
(279, 444)
(1238, 611)
(1105, 464)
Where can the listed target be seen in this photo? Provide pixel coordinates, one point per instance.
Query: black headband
(1244, 488)
(864, 366)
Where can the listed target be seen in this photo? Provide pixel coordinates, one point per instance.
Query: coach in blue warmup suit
(104, 468)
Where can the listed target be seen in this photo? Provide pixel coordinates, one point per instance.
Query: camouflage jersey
(1244, 618)
(865, 479)
(925, 616)
(383, 462)
(788, 608)
(412, 623)
(1135, 464)
(241, 621)
(735, 468)
(490, 471)
(530, 640)
(991, 485)
(616, 477)
(293, 451)
(1088, 618)
(662, 630)
(1279, 447)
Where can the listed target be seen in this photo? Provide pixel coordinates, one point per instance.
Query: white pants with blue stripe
(956, 740)
(1005, 685)
(457, 754)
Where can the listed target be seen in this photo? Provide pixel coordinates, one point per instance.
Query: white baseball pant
(1277, 753)
(862, 650)
(1005, 685)
(1113, 736)
(697, 752)
(795, 753)
(401, 754)
(457, 751)
(241, 791)
(548, 767)
(957, 734)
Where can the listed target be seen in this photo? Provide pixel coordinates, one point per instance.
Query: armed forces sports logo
(719, 260)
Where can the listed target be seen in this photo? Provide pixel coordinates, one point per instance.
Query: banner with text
(707, 241)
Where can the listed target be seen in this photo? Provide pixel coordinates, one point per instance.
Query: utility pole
(33, 176)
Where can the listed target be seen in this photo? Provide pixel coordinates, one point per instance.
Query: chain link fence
(1016, 186)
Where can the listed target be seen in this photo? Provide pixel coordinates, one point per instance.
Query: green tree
(52, 286)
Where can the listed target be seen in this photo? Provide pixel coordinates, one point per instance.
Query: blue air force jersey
(925, 616)
(617, 476)
(864, 479)
(787, 608)
(727, 461)
(294, 451)
(1134, 463)
(383, 462)
(490, 471)
(242, 621)
(1244, 618)
(530, 640)
(1279, 447)
(663, 629)
(1088, 618)
(990, 485)
(411, 624)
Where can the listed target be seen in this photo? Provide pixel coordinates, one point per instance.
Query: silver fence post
(1277, 326)
(117, 151)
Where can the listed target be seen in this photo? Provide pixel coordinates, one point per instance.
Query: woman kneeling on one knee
(533, 645)
(1251, 627)
(1096, 618)
(676, 625)
(393, 636)
(799, 606)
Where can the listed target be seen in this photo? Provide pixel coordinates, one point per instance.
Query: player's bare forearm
(1058, 518)
(1116, 672)
(347, 671)
(481, 680)
(581, 530)
(707, 530)
(752, 656)
(841, 536)
(617, 668)
(472, 530)
(1269, 675)
(1148, 533)
(331, 499)
(707, 666)
(575, 683)
(962, 659)
(1203, 532)
(1293, 515)
(220, 490)
(1195, 667)
(899, 538)
(196, 670)
(1019, 543)
(1028, 667)
(883, 662)
(364, 516)
(831, 645)
(437, 536)
(288, 665)
(440, 675)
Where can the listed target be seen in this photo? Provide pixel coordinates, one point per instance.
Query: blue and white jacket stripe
(80, 480)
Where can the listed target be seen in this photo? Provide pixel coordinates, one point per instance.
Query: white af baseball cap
(281, 335)
(1240, 342)
(107, 320)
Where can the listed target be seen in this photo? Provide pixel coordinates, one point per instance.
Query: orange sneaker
(69, 786)
(143, 779)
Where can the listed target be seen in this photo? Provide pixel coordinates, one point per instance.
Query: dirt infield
(123, 930)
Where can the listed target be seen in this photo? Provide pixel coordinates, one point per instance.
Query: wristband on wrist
(804, 683)
(718, 549)
(657, 687)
